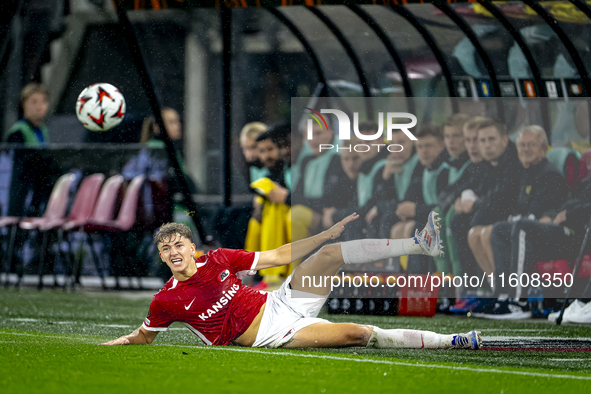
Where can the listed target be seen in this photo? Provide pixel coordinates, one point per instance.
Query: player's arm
(140, 336)
(296, 250)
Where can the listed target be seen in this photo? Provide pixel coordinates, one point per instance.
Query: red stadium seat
(84, 202)
(127, 213)
(54, 213)
(585, 269)
(126, 219)
(104, 210)
(56, 207)
(566, 161)
(585, 165)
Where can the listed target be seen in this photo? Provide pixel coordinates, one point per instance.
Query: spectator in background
(450, 199)
(231, 223)
(248, 144)
(309, 192)
(342, 186)
(402, 169)
(31, 129)
(541, 191)
(422, 197)
(495, 195)
(152, 137)
(268, 226)
(151, 132)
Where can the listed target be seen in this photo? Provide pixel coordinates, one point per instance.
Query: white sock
(363, 251)
(414, 339)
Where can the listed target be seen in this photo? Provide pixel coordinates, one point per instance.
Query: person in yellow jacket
(31, 129)
(269, 226)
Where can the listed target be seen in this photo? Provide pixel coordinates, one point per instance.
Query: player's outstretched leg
(401, 338)
(348, 334)
(328, 260)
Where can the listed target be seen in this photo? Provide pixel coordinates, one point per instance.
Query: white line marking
(26, 334)
(23, 319)
(571, 359)
(324, 357)
(398, 363)
(519, 329)
(529, 339)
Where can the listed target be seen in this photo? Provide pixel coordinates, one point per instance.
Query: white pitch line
(571, 359)
(519, 329)
(515, 338)
(26, 334)
(398, 363)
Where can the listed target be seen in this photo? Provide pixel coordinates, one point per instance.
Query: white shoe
(470, 340)
(429, 239)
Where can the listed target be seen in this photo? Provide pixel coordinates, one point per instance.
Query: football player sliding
(207, 295)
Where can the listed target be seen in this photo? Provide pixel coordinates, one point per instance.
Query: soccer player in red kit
(208, 297)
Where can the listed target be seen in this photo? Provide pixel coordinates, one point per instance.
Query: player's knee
(358, 335)
(473, 237)
(331, 252)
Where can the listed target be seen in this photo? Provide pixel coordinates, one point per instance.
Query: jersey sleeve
(241, 262)
(158, 318)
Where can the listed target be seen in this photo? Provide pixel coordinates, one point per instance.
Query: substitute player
(207, 294)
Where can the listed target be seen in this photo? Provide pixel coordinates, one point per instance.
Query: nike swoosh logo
(188, 306)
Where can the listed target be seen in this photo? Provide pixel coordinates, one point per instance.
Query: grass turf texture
(48, 343)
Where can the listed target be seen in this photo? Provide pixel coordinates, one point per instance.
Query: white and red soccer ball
(100, 107)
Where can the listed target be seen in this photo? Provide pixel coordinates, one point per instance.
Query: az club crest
(224, 275)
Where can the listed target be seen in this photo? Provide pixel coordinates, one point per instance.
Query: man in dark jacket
(542, 191)
(494, 197)
(450, 199)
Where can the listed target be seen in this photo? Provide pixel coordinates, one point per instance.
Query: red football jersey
(213, 303)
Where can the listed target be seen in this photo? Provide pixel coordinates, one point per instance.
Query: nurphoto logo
(344, 129)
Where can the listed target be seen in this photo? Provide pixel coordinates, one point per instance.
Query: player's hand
(118, 341)
(371, 215)
(467, 206)
(335, 231)
(546, 219)
(458, 206)
(561, 217)
(406, 210)
(278, 195)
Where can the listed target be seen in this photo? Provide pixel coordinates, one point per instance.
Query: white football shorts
(287, 311)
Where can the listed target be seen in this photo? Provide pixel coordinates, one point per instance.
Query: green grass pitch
(48, 344)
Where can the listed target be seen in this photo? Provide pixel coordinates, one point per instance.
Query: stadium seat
(6, 262)
(54, 213)
(84, 203)
(56, 207)
(104, 210)
(566, 160)
(127, 213)
(126, 218)
(585, 165)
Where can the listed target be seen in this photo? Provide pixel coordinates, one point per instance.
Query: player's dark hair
(168, 232)
(268, 136)
(429, 129)
(280, 132)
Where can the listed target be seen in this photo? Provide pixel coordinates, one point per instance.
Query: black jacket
(499, 189)
(385, 195)
(578, 208)
(542, 189)
(339, 190)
